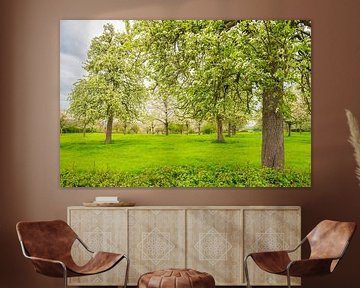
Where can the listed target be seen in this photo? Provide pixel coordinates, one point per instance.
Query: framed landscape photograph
(185, 103)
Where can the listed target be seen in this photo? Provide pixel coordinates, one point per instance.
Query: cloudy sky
(75, 39)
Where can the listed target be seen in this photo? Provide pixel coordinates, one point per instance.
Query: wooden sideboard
(212, 239)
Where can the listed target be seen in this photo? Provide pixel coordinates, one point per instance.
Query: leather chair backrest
(329, 239)
(46, 239)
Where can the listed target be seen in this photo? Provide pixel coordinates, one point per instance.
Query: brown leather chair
(48, 245)
(328, 242)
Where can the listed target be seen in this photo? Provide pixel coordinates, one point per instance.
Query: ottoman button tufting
(176, 278)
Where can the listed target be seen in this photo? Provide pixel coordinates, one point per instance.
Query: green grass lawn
(132, 154)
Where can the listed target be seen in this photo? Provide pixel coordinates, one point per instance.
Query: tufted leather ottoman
(176, 278)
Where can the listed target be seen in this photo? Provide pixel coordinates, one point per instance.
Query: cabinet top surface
(192, 207)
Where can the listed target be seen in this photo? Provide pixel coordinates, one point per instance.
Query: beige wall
(29, 113)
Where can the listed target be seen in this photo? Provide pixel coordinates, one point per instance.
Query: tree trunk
(229, 129)
(219, 129)
(84, 130)
(152, 128)
(272, 154)
(199, 127)
(166, 124)
(289, 127)
(166, 120)
(109, 127)
(234, 130)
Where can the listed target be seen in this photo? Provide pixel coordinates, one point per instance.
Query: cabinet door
(269, 230)
(101, 230)
(214, 244)
(156, 240)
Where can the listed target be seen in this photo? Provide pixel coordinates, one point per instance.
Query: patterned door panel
(214, 241)
(100, 230)
(270, 230)
(157, 240)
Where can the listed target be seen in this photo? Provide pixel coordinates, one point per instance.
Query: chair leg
(65, 276)
(246, 272)
(288, 278)
(126, 271)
